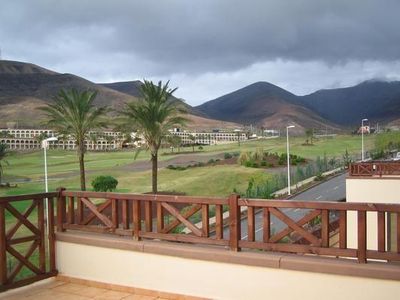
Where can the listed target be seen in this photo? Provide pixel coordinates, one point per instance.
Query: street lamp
(288, 157)
(362, 138)
(45, 144)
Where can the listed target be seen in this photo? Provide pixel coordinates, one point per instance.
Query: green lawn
(216, 181)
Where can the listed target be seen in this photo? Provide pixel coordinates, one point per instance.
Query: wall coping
(306, 263)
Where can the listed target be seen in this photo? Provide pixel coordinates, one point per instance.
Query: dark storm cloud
(166, 37)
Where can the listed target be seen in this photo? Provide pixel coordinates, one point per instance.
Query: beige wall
(212, 279)
(374, 190)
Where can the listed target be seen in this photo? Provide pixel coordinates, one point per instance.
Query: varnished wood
(266, 225)
(3, 253)
(125, 214)
(160, 217)
(398, 232)
(342, 229)
(174, 212)
(71, 210)
(381, 231)
(51, 237)
(80, 212)
(362, 236)
(148, 216)
(171, 226)
(219, 222)
(284, 232)
(60, 209)
(234, 222)
(114, 213)
(325, 228)
(136, 219)
(205, 227)
(41, 241)
(93, 208)
(92, 216)
(26, 214)
(300, 230)
(250, 224)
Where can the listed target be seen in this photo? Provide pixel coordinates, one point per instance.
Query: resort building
(209, 138)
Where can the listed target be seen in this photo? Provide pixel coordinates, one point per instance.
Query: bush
(211, 161)
(254, 165)
(248, 164)
(263, 163)
(236, 154)
(171, 167)
(200, 147)
(227, 155)
(104, 184)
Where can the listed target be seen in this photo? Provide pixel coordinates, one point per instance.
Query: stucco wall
(374, 190)
(212, 279)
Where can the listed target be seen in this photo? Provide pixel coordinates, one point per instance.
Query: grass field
(216, 180)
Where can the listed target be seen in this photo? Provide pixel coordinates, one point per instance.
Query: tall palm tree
(73, 113)
(3, 154)
(152, 116)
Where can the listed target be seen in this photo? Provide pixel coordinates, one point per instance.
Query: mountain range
(24, 87)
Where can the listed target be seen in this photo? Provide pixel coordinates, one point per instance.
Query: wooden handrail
(375, 168)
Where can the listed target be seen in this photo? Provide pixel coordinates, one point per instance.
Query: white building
(209, 138)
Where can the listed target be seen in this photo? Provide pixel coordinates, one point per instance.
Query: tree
(74, 114)
(3, 154)
(152, 116)
(192, 138)
(175, 142)
(309, 135)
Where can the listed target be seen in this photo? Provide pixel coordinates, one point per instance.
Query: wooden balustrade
(27, 252)
(187, 219)
(271, 225)
(375, 168)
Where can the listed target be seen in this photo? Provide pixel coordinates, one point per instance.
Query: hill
(263, 104)
(379, 101)
(25, 87)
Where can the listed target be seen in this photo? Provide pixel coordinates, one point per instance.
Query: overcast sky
(208, 47)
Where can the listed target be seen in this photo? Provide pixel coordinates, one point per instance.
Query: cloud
(208, 46)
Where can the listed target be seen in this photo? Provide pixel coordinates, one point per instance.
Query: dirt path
(180, 160)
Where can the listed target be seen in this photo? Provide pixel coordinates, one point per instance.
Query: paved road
(331, 190)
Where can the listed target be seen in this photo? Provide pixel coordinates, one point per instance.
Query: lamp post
(362, 138)
(45, 144)
(288, 156)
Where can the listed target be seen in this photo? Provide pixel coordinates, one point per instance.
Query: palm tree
(73, 113)
(3, 154)
(152, 116)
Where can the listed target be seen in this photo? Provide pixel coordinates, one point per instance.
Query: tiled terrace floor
(53, 289)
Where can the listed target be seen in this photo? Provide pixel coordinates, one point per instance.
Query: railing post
(362, 236)
(234, 222)
(61, 207)
(3, 254)
(51, 237)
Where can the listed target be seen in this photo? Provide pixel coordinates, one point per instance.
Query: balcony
(197, 246)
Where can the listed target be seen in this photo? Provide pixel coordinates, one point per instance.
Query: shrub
(244, 157)
(104, 184)
(200, 147)
(227, 155)
(248, 163)
(263, 163)
(236, 153)
(211, 161)
(254, 165)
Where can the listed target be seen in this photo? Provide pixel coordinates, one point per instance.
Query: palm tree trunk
(81, 154)
(154, 162)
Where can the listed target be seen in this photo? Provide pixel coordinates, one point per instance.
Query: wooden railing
(200, 220)
(375, 168)
(26, 250)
